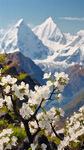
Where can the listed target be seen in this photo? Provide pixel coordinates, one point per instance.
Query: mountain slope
(21, 38)
(27, 65)
(16, 70)
(24, 64)
(49, 30)
(74, 105)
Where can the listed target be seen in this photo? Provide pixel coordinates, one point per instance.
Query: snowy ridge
(21, 38)
(51, 49)
(64, 54)
(49, 30)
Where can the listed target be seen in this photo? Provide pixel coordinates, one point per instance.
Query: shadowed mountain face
(74, 105)
(21, 62)
(76, 82)
(13, 72)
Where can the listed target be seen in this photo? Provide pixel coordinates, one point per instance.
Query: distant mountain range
(51, 49)
(65, 49)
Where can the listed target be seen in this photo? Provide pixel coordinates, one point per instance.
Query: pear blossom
(33, 101)
(73, 129)
(7, 89)
(8, 79)
(7, 139)
(14, 141)
(51, 116)
(33, 146)
(8, 102)
(47, 75)
(33, 126)
(59, 96)
(43, 146)
(6, 132)
(64, 77)
(26, 111)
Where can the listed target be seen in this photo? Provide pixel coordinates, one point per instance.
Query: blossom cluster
(74, 129)
(41, 93)
(33, 101)
(7, 139)
(49, 117)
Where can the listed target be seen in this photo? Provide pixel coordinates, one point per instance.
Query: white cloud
(72, 18)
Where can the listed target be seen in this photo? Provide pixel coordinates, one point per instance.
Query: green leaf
(51, 79)
(30, 148)
(74, 145)
(5, 68)
(43, 109)
(22, 76)
(38, 146)
(2, 58)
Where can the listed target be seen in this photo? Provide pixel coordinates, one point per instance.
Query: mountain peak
(20, 22)
(49, 19)
(50, 31)
(21, 38)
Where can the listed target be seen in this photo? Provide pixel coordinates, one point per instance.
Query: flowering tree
(31, 113)
(73, 131)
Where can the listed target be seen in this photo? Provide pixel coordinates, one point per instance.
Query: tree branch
(57, 135)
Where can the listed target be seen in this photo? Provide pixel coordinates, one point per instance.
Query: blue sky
(67, 14)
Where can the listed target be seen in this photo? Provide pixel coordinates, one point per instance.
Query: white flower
(47, 75)
(5, 139)
(21, 90)
(33, 126)
(64, 77)
(33, 146)
(14, 141)
(81, 109)
(49, 83)
(43, 146)
(26, 111)
(8, 102)
(7, 89)
(6, 132)
(59, 96)
(8, 79)
(61, 112)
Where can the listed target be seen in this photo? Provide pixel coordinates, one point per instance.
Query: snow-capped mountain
(51, 49)
(65, 52)
(21, 38)
(2, 32)
(49, 31)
